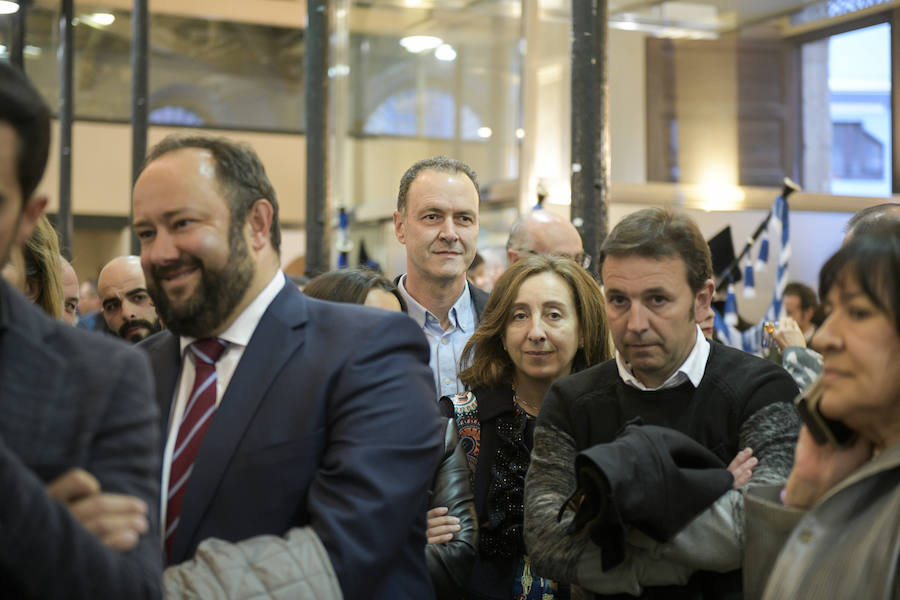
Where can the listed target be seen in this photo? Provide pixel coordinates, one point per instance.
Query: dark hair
(872, 258)
(239, 172)
(661, 233)
(806, 294)
(435, 163)
(350, 285)
(490, 365)
(864, 219)
(476, 262)
(23, 108)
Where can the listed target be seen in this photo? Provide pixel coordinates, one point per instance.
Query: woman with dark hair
(833, 531)
(452, 531)
(356, 286)
(544, 319)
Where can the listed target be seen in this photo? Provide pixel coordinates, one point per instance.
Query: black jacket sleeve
(450, 563)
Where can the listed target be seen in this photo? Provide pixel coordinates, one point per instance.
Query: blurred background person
(544, 320)
(70, 292)
(36, 270)
(126, 305)
(832, 531)
(801, 304)
(356, 286)
(452, 531)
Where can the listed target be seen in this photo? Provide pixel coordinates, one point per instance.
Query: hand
(741, 467)
(817, 468)
(440, 526)
(116, 519)
(788, 333)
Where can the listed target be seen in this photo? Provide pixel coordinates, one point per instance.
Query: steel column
(66, 95)
(315, 67)
(590, 127)
(139, 103)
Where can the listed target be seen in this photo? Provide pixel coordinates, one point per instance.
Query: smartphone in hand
(823, 429)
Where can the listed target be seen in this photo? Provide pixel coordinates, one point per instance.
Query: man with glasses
(544, 232)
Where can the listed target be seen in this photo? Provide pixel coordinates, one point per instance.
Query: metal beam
(590, 126)
(66, 96)
(139, 101)
(17, 35)
(315, 67)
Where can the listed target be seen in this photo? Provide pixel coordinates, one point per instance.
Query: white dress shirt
(237, 336)
(692, 369)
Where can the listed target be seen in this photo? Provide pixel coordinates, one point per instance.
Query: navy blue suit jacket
(71, 398)
(328, 421)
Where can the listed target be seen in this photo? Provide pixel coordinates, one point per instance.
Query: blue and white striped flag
(749, 283)
(763, 257)
(780, 223)
(725, 326)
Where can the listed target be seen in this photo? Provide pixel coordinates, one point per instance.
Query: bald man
(544, 232)
(124, 302)
(70, 291)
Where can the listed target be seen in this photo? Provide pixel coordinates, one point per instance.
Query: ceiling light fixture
(8, 8)
(420, 43)
(484, 132)
(445, 52)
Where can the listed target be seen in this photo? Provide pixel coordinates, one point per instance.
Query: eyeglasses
(582, 258)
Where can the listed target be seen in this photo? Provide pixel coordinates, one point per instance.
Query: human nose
(448, 231)
(159, 250)
(637, 317)
(536, 332)
(827, 336)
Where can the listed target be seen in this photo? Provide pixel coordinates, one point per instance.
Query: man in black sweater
(656, 271)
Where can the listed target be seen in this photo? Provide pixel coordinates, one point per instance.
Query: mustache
(137, 323)
(162, 271)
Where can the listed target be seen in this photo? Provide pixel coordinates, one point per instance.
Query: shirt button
(446, 380)
(445, 341)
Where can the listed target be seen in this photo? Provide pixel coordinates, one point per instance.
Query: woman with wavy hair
(36, 271)
(544, 320)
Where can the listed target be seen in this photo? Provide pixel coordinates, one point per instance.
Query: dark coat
(70, 398)
(314, 429)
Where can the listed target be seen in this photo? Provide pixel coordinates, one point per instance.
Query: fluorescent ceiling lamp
(32, 51)
(420, 43)
(2, 49)
(445, 52)
(8, 8)
(103, 19)
(484, 132)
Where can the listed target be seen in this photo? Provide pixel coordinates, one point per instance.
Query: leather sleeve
(450, 563)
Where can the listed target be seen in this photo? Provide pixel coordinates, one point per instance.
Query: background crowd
(563, 436)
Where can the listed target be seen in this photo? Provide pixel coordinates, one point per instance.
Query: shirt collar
(241, 329)
(461, 314)
(692, 369)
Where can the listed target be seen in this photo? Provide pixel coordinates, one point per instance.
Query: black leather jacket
(450, 563)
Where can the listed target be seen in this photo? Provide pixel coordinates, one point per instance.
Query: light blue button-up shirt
(446, 345)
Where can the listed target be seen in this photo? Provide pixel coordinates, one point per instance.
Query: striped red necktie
(198, 414)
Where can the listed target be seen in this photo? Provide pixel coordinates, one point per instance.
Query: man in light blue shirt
(437, 220)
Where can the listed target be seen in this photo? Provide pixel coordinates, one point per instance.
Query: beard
(150, 328)
(217, 295)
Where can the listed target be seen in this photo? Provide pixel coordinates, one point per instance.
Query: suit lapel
(277, 337)
(165, 359)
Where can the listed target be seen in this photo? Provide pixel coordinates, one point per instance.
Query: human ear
(31, 212)
(260, 217)
(400, 226)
